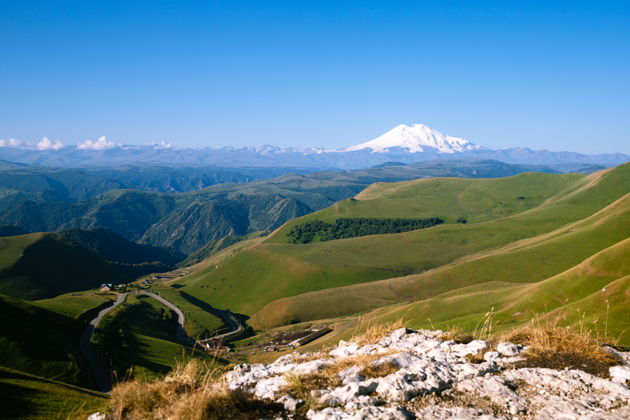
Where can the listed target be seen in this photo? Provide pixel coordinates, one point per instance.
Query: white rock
(620, 374)
(454, 413)
(269, 387)
(491, 356)
(365, 413)
(290, 403)
(351, 375)
(426, 364)
(344, 349)
(509, 349)
(97, 416)
(623, 356)
(473, 347)
(495, 389)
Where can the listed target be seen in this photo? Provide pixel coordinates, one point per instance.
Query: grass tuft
(550, 345)
(192, 391)
(458, 335)
(374, 333)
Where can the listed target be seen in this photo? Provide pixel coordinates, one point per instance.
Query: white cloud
(101, 144)
(10, 143)
(161, 145)
(47, 144)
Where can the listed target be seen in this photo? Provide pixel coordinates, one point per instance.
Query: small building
(106, 287)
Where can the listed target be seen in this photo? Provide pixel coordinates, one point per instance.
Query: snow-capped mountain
(415, 138)
(404, 143)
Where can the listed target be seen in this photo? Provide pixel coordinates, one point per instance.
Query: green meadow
(520, 231)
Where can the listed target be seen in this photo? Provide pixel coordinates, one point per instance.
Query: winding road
(180, 333)
(231, 321)
(103, 375)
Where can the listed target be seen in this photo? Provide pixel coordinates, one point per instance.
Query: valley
(502, 252)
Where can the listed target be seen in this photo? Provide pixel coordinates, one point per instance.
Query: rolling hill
(39, 265)
(186, 222)
(43, 265)
(41, 342)
(521, 231)
(32, 397)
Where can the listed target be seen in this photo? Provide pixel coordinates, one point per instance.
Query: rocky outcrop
(419, 374)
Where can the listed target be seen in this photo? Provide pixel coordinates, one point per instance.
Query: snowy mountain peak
(415, 138)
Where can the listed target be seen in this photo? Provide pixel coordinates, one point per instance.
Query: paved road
(102, 374)
(180, 334)
(231, 321)
(226, 316)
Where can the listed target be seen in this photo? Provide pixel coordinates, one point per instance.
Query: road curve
(231, 321)
(101, 373)
(180, 334)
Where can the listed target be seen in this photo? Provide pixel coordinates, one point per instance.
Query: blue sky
(549, 74)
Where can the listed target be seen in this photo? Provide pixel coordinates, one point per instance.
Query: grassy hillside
(37, 266)
(48, 201)
(31, 397)
(41, 342)
(475, 200)
(138, 338)
(12, 248)
(526, 261)
(77, 305)
(129, 258)
(593, 293)
(274, 270)
(200, 321)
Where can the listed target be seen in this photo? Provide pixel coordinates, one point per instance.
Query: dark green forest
(318, 230)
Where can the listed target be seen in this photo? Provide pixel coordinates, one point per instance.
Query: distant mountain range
(404, 143)
(172, 209)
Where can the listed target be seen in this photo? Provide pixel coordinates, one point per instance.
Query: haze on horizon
(544, 75)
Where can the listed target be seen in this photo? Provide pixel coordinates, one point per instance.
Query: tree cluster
(318, 230)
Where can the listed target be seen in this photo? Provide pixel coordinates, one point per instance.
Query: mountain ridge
(403, 143)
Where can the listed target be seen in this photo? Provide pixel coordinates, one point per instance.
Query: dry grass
(307, 357)
(301, 386)
(375, 333)
(458, 335)
(379, 370)
(192, 391)
(553, 346)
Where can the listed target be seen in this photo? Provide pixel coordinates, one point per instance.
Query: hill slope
(189, 221)
(37, 266)
(523, 229)
(31, 397)
(41, 342)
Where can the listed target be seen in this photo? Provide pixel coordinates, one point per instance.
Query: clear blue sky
(543, 74)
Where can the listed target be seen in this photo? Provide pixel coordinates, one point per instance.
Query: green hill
(138, 338)
(522, 229)
(37, 266)
(528, 261)
(77, 305)
(31, 397)
(130, 259)
(37, 341)
(43, 265)
(591, 294)
(44, 200)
